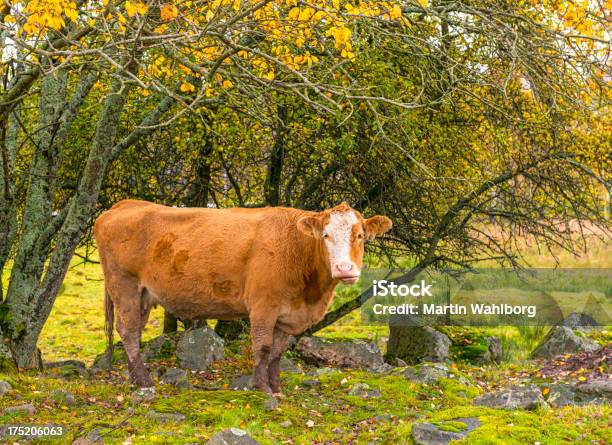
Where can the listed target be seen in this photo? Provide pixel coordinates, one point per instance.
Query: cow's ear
(376, 226)
(311, 226)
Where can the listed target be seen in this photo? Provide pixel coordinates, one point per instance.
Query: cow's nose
(345, 267)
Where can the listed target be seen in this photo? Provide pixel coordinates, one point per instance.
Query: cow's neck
(319, 283)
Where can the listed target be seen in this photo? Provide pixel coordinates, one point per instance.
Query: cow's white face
(343, 231)
(343, 239)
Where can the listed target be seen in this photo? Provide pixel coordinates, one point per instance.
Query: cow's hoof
(264, 388)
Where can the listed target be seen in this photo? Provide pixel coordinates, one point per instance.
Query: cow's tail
(109, 322)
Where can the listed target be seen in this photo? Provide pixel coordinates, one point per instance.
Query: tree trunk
(170, 323)
(275, 166)
(231, 329)
(31, 295)
(8, 208)
(197, 196)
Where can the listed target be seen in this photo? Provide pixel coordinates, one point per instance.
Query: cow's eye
(360, 236)
(325, 236)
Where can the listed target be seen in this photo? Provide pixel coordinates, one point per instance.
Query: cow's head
(342, 230)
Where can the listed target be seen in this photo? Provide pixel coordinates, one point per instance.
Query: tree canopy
(443, 115)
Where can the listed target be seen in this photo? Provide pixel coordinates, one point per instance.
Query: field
(326, 413)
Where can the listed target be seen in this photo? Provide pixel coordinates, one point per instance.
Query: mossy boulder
(563, 340)
(198, 348)
(232, 436)
(355, 355)
(580, 321)
(512, 397)
(595, 392)
(472, 345)
(417, 344)
(443, 432)
(193, 349)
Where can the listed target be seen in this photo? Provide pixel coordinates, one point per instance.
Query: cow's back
(196, 259)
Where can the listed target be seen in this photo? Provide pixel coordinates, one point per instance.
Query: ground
(324, 414)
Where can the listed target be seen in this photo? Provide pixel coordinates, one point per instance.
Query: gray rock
(426, 373)
(559, 395)
(430, 434)
(359, 388)
(242, 383)
(26, 408)
(341, 354)
(383, 418)
(385, 367)
(580, 321)
(175, 377)
(93, 437)
(143, 395)
(363, 390)
(398, 362)
(270, 404)
(4, 387)
(198, 348)
(494, 351)
(63, 397)
(165, 417)
(159, 347)
(62, 363)
(417, 344)
(69, 369)
(430, 373)
(601, 387)
(373, 394)
(287, 365)
(312, 383)
(562, 340)
(286, 423)
(562, 394)
(232, 436)
(323, 371)
(512, 397)
(598, 391)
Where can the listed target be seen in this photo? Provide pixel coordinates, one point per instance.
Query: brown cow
(278, 266)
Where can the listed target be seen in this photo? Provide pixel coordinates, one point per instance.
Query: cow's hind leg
(132, 313)
(262, 329)
(279, 345)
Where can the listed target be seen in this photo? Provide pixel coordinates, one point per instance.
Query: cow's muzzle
(349, 280)
(346, 272)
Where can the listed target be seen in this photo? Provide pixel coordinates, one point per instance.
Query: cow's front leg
(279, 346)
(262, 329)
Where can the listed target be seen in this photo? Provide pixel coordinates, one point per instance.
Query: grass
(76, 324)
(325, 414)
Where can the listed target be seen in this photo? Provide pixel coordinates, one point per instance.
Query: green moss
(547, 426)
(603, 337)
(75, 331)
(453, 426)
(467, 344)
